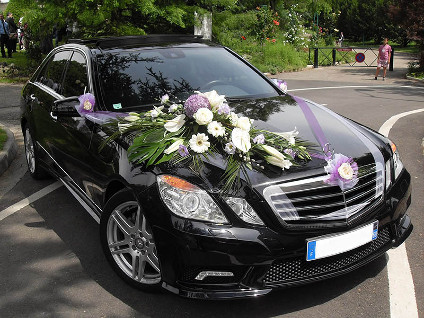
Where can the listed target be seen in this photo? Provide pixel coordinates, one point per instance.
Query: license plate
(329, 245)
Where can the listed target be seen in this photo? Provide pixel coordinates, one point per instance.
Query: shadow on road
(79, 234)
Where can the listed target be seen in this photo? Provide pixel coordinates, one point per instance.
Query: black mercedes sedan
(206, 177)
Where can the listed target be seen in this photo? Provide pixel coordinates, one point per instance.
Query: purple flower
(87, 102)
(224, 109)
(290, 152)
(259, 139)
(194, 103)
(282, 85)
(342, 171)
(183, 151)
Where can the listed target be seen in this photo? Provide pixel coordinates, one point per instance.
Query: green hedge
(3, 138)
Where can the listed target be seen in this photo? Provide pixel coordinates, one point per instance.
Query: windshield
(132, 79)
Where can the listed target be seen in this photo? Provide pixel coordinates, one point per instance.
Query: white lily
(282, 163)
(289, 135)
(175, 124)
(174, 147)
(241, 139)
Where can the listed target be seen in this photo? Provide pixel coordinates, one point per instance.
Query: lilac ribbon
(102, 117)
(316, 128)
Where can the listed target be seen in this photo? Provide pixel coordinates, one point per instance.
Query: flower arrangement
(205, 126)
(342, 171)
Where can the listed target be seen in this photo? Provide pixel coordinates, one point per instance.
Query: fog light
(203, 275)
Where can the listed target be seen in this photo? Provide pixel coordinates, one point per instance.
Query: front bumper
(261, 259)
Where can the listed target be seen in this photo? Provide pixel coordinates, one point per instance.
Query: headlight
(243, 210)
(397, 163)
(189, 201)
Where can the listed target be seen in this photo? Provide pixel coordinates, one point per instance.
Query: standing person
(13, 30)
(383, 59)
(341, 39)
(4, 37)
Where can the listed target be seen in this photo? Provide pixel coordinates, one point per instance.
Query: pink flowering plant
(204, 126)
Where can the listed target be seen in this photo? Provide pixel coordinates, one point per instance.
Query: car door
(85, 165)
(40, 95)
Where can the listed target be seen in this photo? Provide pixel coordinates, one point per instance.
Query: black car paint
(69, 149)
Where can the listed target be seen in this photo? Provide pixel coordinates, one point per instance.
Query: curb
(9, 151)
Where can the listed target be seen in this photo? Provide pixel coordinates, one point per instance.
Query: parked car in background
(295, 221)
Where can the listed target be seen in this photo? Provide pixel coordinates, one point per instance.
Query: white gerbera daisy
(215, 129)
(199, 143)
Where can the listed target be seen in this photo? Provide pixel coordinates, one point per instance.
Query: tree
(410, 15)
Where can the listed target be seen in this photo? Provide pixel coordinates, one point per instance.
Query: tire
(34, 167)
(128, 243)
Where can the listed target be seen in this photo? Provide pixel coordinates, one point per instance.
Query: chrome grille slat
(312, 200)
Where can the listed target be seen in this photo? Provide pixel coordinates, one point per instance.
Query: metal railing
(363, 57)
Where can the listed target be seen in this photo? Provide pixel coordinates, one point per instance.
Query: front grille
(296, 269)
(312, 200)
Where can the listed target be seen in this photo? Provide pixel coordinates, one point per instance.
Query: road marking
(358, 86)
(385, 128)
(27, 201)
(403, 302)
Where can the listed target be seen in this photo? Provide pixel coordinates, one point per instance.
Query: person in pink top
(383, 59)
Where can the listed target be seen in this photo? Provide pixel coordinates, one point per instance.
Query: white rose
(175, 124)
(199, 143)
(203, 116)
(244, 123)
(282, 163)
(214, 98)
(174, 146)
(241, 139)
(345, 171)
(215, 129)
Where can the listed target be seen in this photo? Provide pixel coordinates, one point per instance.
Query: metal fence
(349, 56)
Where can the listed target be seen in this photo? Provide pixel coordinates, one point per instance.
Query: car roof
(125, 42)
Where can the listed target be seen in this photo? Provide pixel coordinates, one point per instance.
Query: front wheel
(128, 242)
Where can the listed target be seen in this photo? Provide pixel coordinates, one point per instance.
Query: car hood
(283, 114)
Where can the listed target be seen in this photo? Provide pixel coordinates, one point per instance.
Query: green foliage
(279, 57)
(3, 138)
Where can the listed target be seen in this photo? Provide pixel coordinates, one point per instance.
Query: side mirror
(66, 107)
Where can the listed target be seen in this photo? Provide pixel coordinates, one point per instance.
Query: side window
(75, 83)
(51, 75)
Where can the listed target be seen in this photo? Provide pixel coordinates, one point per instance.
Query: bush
(3, 138)
(279, 57)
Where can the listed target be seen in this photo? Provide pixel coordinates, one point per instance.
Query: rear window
(138, 78)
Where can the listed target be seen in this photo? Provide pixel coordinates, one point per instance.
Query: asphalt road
(51, 264)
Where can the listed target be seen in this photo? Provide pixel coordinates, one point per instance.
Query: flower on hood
(289, 135)
(199, 143)
(164, 99)
(214, 98)
(259, 139)
(183, 151)
(174, 147)
(175, 124)
(230, 148)
(241, 139)
(194, 103)
(342, 171)
(203, 116)
(216, 129)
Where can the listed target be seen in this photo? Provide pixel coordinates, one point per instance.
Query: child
(383, 59)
